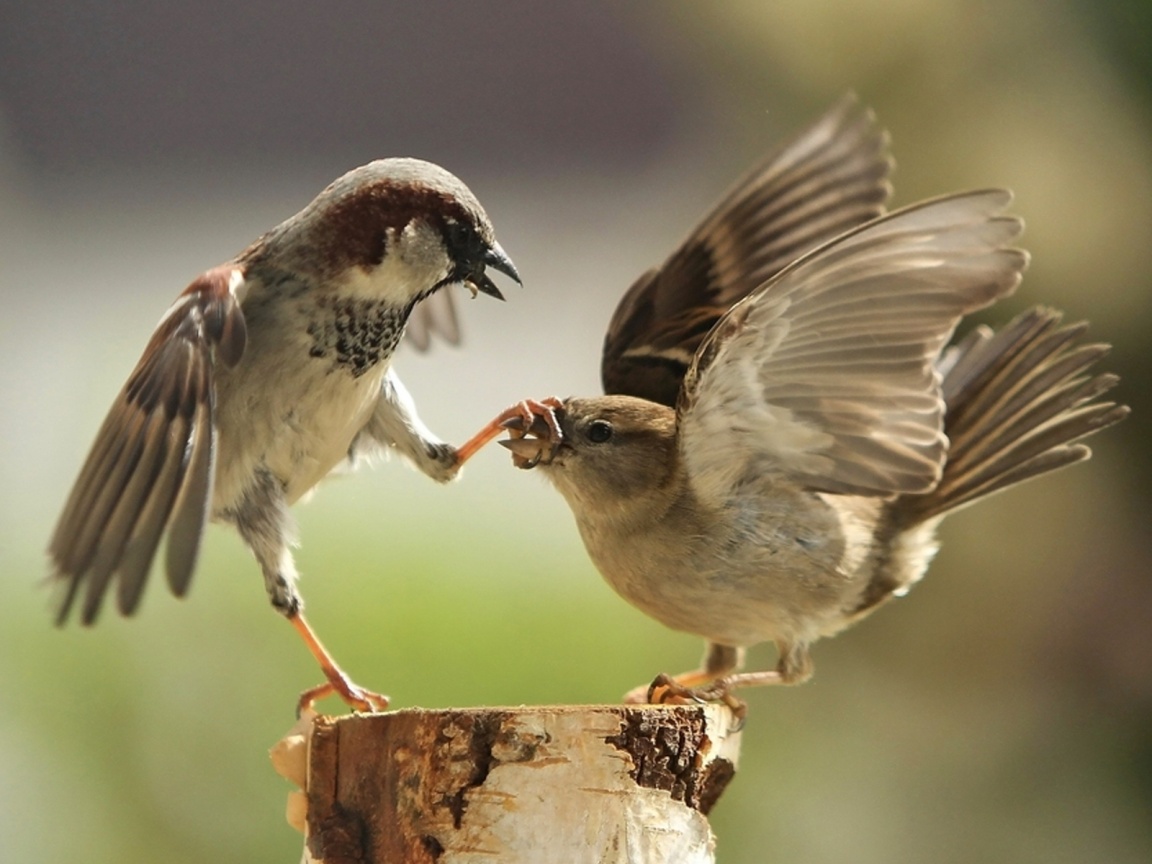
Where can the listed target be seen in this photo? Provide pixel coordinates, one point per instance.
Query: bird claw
(532, 418)
(666, 690)
(355, 697)
(338, 683)
(519, 419)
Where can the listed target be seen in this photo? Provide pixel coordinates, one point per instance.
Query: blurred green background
(1001, 713)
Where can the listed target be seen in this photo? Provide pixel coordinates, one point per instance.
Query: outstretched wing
(150, 469)
(830, 178)
(827, 374)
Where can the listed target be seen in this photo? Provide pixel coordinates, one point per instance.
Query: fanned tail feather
(1019, 402)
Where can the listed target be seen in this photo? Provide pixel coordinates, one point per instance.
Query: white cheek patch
(415, 261)
(237, 285)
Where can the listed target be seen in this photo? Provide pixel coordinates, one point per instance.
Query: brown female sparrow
(268, 372)
(776, 469)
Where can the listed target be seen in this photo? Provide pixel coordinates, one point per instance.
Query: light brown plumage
(831, 177)
(821, 430)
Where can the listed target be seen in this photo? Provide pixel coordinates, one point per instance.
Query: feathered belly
(298, 441)
(742, 581)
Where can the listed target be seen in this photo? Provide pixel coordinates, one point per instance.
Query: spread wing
(434, 315)
(827, 373)
(150, 469)
(832, 177)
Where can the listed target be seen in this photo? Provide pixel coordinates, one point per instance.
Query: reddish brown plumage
(357, 224)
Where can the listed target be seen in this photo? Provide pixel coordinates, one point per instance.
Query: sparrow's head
(394, 229)
(610, 450)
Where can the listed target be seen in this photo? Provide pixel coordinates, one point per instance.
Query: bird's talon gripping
(666, 690)
(516, 420)
(520, 419)
(354, 696)
(662, 690)
(309, 697)
(722, 690)
(534, 433)
(546, 411)
(338, 683)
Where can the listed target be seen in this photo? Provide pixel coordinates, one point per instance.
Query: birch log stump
(528, 785)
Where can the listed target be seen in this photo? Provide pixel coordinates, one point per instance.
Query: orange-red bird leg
(526, 411)
(357, 698)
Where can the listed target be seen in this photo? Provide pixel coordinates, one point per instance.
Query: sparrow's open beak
(497, 260)
(526, 452)
(532, 446)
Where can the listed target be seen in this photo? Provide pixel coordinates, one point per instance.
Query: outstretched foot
(518, 417)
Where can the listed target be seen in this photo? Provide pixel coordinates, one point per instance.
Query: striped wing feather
(827, 373)
(150, 468)
(830, 178)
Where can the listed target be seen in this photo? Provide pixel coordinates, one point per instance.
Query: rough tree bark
(528, 785)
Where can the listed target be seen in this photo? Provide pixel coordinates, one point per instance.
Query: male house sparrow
(266, 373)
(778, 448)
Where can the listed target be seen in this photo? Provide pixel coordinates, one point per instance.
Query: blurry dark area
(213, 85)
(1123, 29)
(1002, 712)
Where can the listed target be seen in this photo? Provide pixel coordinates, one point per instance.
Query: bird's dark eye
(460, 236)
(599, 431)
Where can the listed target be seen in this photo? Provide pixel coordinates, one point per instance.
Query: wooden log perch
(528, 785)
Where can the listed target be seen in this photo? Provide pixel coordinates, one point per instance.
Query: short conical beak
(526, 452)
(497, 260)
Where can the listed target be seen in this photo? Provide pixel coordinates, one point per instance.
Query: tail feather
(1049, 415)
(1019, 401)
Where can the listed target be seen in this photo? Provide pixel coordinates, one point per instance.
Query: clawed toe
(667, 690)
(355, 697)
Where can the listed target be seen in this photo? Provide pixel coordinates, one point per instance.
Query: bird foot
(518, 419)
(338, 683)
(667, 690)
(356, 697)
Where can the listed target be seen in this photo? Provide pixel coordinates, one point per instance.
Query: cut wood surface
(571, 784)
